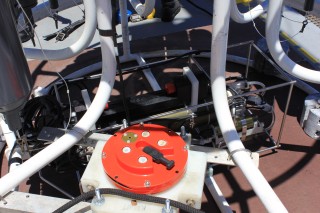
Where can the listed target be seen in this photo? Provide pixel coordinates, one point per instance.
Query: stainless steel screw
(98, 200)
(183, 132)
(98, 195)
(124, 123)
(167, 208)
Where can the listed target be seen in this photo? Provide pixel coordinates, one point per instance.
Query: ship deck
(292, 170)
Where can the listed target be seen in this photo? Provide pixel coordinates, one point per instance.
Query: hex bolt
(167, 208)
(90, 187)
(125, 123)
(98, 200)
(183, 132)
(98, 195)
(191, 202)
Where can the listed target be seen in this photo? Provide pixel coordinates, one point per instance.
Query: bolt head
(143, 159)
(126, 150)
(147, 184)
(162, 143)
(145, 134)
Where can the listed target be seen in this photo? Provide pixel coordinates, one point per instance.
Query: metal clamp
(135, 18)
(60, 36)
(244, 129)
(239, 150)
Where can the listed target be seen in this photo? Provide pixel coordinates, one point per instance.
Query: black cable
(10, 155)
(162, 62)
(1, 158)
(39, 112)
(200, 8)
(291, 19)
(142, 197)
(148, 65)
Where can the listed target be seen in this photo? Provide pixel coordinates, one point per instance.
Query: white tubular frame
(243, 18)
(11, 139)
(25, 170)
(143, 9)
(217, 195)
(76, 48)
(41, 11)
(240, 156)
(275, 48)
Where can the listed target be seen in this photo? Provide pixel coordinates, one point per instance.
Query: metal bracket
(222, 156)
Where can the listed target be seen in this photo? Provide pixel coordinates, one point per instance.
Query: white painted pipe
(275, 48)
(172, 53)
(194, 86)
(242, 18)
(61, 145)
(9, 136)
(125, 29)
(240, 156)
(217, 195)
(11, 139)
(76, 48)
(42, 10)
(143, 9)
(148, 73)
(127, 56)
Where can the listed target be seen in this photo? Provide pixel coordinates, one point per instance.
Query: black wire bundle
(162, 62)
(142, 197)
(40, 112)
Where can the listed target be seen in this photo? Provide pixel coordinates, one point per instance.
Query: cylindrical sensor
(15, 80)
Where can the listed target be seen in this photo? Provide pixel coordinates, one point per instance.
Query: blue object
(129, 13)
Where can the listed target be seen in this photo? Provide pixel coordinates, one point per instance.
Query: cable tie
(106, 33)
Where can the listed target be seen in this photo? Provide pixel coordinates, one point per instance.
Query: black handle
(157, 157)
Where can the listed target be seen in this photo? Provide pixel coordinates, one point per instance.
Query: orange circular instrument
(145, 159)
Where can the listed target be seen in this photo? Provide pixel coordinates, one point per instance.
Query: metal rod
(239, 44)
(269, 148)
(263, 89)
(191, 108)
(285, 114)
(269, 136)
(286, 75)
(54, 186)
(199, 66)
(248, 61)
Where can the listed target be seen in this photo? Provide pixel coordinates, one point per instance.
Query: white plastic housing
(189, 188)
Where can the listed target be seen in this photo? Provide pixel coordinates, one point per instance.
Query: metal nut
(190, 202)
